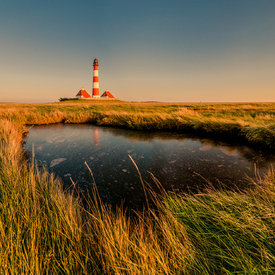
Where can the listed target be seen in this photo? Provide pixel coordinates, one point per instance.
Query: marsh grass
(233, 233)
(249, 123)
(46, 230)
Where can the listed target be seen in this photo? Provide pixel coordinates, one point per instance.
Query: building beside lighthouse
(82, 94)
(107, 94)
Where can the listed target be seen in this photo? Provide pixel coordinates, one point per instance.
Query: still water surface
(179, 162)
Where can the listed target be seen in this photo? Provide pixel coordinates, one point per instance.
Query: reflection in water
(179, 162)
(259, 157)
(96, 136)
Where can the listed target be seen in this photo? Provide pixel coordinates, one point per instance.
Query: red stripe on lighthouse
(95, 91)
(95, 78)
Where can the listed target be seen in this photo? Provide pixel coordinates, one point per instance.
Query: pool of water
(180, 163)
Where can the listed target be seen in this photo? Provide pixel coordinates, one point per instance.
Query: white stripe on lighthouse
(96, 85)
(95, 72)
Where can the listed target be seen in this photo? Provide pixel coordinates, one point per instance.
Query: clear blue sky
(176, 51)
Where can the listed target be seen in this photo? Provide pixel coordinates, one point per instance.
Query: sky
(148, 50)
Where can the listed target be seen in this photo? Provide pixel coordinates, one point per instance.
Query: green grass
(45, 230)
(233, 233)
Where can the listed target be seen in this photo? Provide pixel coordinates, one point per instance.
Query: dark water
(180, 163)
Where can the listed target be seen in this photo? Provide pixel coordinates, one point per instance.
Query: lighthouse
(95, 80)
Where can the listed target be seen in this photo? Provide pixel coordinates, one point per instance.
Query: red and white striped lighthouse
(95, 81)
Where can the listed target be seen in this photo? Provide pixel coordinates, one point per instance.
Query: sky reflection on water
(179, 162)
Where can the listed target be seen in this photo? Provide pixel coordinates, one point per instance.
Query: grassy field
(44, 230)
(249, 123)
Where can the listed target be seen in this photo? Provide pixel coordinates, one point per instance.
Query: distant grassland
(45, 230)
(251, 123)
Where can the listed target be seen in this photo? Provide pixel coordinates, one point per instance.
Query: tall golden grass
(46, 230)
